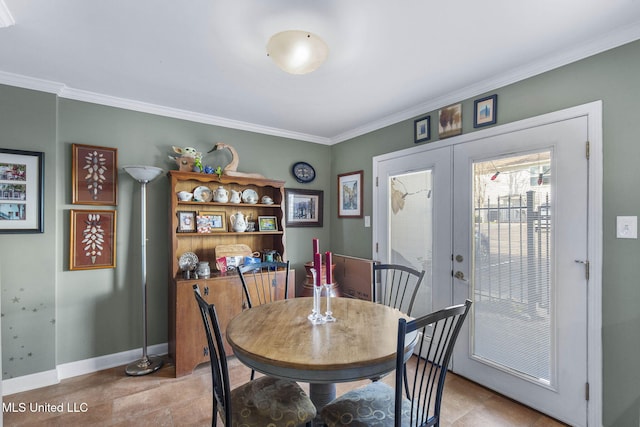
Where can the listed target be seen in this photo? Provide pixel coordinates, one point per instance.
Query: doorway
(508, 217)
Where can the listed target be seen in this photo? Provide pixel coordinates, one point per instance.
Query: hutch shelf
(187, 341)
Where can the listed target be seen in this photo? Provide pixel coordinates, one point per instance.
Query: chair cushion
(369, 406)
(272, 402)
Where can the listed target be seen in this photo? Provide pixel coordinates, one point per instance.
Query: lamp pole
(144, 175)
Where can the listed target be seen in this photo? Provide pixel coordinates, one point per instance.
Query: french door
(501, 219)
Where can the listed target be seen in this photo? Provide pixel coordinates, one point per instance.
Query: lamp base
(144, 366)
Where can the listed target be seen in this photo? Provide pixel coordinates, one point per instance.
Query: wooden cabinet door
(191, 341)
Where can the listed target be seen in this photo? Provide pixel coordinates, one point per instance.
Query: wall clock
(303, 172)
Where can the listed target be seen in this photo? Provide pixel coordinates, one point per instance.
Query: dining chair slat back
(421, 369)
(265, 401)
(396, 285)
(262, 282)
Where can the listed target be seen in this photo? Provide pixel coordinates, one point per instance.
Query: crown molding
(6, 19)
(592, 47)
(33, 83)
(614, 39)
(176, 113)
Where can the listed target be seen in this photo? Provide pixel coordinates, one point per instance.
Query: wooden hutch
(187, 341)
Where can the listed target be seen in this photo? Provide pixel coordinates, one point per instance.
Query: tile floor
(111, 398)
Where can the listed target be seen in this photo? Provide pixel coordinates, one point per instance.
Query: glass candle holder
(316, 316)
(328, 314)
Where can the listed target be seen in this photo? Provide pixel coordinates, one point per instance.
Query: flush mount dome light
(297, 52)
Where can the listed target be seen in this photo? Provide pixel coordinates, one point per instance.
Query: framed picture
(303, 207)
(186, 221)
(350, 195)
(21, 191)
(215, 221)
(92, 239)
(94, 174)
(267, 223)
(485, 111)
(450, 121)
(422, 129)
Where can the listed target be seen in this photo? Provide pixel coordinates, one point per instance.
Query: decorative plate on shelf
(188, 261)
(202, 194)
(250, 196)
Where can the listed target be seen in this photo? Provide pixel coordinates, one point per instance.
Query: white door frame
(593, 112)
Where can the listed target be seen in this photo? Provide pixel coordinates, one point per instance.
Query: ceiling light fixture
(297, 52)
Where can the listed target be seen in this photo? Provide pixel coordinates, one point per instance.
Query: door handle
(460, 276)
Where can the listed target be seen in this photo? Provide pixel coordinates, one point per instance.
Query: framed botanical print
(21, 191)
(350, 195)
(94, 175)
(92, 242)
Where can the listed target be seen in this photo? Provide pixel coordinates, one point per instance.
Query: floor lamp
(144, 175)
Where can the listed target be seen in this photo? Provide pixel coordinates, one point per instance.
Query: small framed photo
(267, 223)
(21, 191)
(303, 207)
(94, 175)
(217, 220)
(485, 111)
(350, 195)
(422, 129)
(92, 242)
(450, 121)
(186, 221)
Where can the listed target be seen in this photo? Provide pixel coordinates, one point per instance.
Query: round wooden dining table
(278, 339)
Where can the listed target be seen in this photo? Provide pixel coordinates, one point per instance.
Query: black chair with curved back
(261, 281)
(257, 403)
(381, 405)
(396, 285)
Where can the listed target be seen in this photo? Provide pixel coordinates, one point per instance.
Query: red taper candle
(317, 266)
(328, 264)
(316, 246)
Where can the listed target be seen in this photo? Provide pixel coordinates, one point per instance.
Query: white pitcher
(235, 196)
(238, 222)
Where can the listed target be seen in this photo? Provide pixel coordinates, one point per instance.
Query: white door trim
(593, 112)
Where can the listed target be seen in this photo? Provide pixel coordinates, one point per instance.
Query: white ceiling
(389, 60)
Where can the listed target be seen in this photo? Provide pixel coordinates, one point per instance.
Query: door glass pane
(410, 229)
(512, 280)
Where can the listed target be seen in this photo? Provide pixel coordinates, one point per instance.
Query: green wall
(90, 313)
(63, 316)
(28, 261)
(613, 78)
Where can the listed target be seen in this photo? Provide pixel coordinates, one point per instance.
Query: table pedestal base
(320, 395)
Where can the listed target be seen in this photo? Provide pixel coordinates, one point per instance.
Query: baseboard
(73, 369)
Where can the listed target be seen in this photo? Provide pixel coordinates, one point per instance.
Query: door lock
(460, 276)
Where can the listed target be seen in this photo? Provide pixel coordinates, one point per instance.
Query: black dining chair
(265, 401)
(396, 285)
(419, 404)
(261, 282)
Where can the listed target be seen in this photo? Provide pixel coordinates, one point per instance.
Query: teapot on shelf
(221, 195)
(238, 222)
(235, 196)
